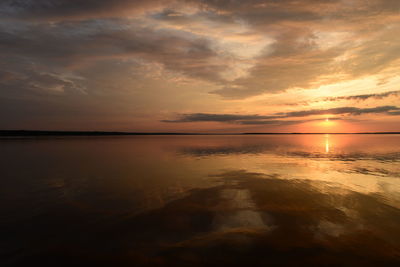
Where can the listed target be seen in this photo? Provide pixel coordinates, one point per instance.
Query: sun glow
(328, 123)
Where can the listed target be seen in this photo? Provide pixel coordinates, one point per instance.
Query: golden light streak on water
(327, 143)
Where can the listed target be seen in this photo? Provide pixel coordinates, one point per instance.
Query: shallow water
(201, 200)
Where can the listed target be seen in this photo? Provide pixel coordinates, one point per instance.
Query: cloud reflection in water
(225, 200)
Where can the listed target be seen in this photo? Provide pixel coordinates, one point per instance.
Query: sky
(213, 66)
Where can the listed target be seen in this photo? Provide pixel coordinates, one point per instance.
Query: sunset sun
(328, 123)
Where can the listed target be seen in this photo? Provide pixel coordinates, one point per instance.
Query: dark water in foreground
(294, 200)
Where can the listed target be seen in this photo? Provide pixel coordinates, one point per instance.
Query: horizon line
(11, 133)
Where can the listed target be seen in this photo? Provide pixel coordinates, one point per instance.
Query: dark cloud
(280, 122)
(279, 118)
(240, 119)
(233, 118)
(198, 117)
(266, 12)
(257, 12)
(261, 13)
(75, 9)
(44, 56)
(340, 110)
(72, 43)
(364, 96)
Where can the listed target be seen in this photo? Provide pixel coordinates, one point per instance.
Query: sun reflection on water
(327, 143)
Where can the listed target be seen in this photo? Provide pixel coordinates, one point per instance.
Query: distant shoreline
(11, 133)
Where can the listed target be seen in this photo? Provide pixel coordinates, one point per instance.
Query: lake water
(239, 200)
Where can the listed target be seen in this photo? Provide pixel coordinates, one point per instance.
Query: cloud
(364, 96)
(308, 50)
(55, 51)
(339, 111)
(279, 122)
(76, 9)
(71, 31)
(238, 119)
(289, 65)
(71, 49)
(202, 117)
(280, 118)
(296, 60)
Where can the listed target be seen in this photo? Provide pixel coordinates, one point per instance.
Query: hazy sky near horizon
(200, 66)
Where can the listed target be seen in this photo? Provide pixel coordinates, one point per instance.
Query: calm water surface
(200, 200)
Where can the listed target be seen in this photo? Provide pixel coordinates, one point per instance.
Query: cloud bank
(364, 96)
(277, 118)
